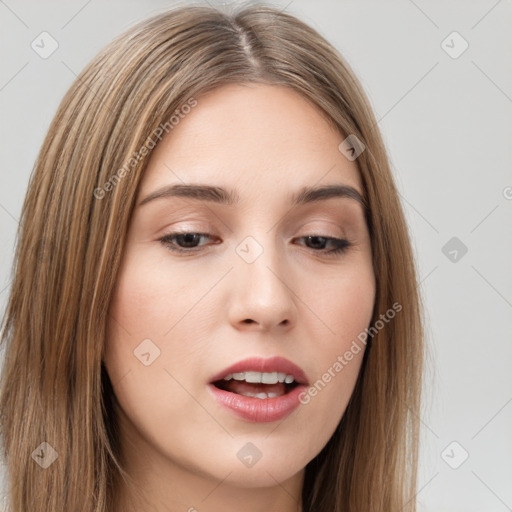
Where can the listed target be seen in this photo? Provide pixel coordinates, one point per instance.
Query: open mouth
(257, 384)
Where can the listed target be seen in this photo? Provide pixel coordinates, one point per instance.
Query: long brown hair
(54, 387)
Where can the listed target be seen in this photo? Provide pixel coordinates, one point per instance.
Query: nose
(261, 296)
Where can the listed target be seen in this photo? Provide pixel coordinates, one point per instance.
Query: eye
(188, 242)
(319, 242)
(185, 241)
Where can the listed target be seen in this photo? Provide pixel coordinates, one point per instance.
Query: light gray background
(448, 127)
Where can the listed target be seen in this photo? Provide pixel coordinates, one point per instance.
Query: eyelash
(342, 244)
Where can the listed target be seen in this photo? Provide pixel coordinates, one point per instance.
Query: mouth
(259, 390)
(260, 378)
(257, 384)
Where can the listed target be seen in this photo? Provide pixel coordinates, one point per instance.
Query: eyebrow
(230, 197)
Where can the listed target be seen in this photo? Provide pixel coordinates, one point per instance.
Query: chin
(261, 475)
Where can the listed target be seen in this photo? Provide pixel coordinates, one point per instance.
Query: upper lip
(258, 364)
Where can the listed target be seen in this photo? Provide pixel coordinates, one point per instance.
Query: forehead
(253, 137)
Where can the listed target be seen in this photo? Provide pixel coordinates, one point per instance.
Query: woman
(214, 302)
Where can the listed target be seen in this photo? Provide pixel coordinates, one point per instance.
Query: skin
(177, 442)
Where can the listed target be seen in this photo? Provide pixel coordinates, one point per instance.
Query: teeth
(260, 395)
(269, 378)
(259, 377)
(253, 377)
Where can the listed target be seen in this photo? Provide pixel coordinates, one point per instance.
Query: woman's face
(247, 282)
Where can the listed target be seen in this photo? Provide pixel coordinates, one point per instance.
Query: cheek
(344, 307)
(343, 302)
(348, 311)
(141, 359)
(150, 300)
(151, 329)
(136, 314)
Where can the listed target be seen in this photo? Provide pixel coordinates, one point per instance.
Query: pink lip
(261, 409)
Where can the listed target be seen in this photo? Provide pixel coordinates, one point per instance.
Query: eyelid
(333, 229)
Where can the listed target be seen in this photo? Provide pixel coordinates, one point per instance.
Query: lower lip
(259, 410)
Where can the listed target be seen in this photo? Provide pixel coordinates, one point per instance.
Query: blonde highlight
(54, 387)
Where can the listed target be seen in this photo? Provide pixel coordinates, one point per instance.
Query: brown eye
(318, 243)
(186, 241)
